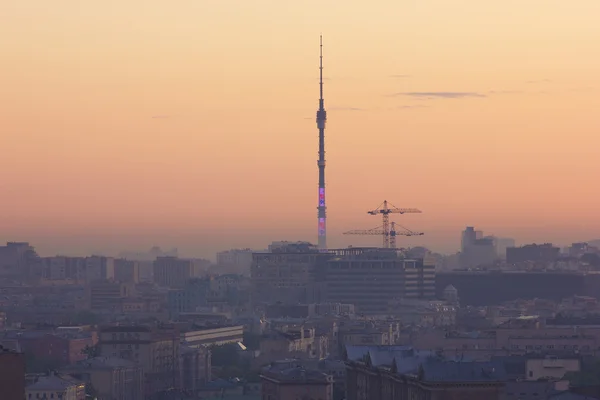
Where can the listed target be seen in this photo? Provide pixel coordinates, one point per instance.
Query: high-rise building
(286, 273)
(99, 267)
(237, 261)
(174, 272)
(127, 271)
(477, 250)
(372, 278)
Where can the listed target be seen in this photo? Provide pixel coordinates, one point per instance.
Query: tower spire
(321, 119)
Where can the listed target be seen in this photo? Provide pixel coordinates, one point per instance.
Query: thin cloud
(506, 92)
(346, 109)
(440, 95)
(539, 81)
(410, 107)
(399, 76)
(161, 116)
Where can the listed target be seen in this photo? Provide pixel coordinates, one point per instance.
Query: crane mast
(385, 210)
(391, 234)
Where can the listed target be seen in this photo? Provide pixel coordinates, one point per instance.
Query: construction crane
(389, 237)
(385, 211)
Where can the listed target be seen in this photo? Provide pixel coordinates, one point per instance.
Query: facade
(187, 299)
(127, 271)
(99, 267)
(237, 261)
(372, 278)
(157, 351)
(401, 373)
(532, 252)
(16, 259)
(195, 368)
(285, 274)
(107, 295)
(555, 368)
(55, 386)
(282, 383)
(173, 272)
(110, 378)
(62, 268)
(213, 336)
(12, 374)
(57, 348)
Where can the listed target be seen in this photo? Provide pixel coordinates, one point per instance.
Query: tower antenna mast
(321, 119)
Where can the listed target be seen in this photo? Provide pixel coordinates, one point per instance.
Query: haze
(192, 123)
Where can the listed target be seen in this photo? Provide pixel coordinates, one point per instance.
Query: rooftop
(295, 374)
(54, 383)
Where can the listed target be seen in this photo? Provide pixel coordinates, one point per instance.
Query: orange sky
(191, 123)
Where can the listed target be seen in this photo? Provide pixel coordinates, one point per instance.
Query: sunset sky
(191, 123)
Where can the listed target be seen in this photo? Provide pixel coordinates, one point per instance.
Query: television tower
(321, 118)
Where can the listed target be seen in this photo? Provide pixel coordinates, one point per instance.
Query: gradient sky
(125, 124)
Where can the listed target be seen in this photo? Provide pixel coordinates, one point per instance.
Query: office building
(175, 272)
(286, 273)
(372, 278)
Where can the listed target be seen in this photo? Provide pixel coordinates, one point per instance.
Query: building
(282, 383)
(371, 278)
(173, 272)
(99, 267)
(156, 350)
(286, 273)
(213, 336)
(107, 295)
(194, 294)
(551, 367)
(56, 386)
(296, 341)
(532, 252)
(389, 373)
(502, 244)
(53, 349)
(195, 367)
(12, 374)
(16, 258)
(61, 268)
(127, 271)
(236, 261)
(110, 377)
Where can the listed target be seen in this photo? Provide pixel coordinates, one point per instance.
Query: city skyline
(129, 127)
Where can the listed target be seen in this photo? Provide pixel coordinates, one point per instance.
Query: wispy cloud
(161, 116)
(440, 95)
(506, 92)
(539, 81)
(399, 76)
(409, 107)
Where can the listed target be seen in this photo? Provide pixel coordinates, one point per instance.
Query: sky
(191, 124)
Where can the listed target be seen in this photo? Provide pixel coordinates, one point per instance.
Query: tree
(91, 351)
(225, 355)
(251, 340)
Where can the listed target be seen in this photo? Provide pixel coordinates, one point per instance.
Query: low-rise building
(110, 377)
(213, 335)
(155, 350)
(283, 383)
(12, 374)
(392, 373)
(56, 386)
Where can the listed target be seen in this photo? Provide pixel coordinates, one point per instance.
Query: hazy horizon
(193, 125)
